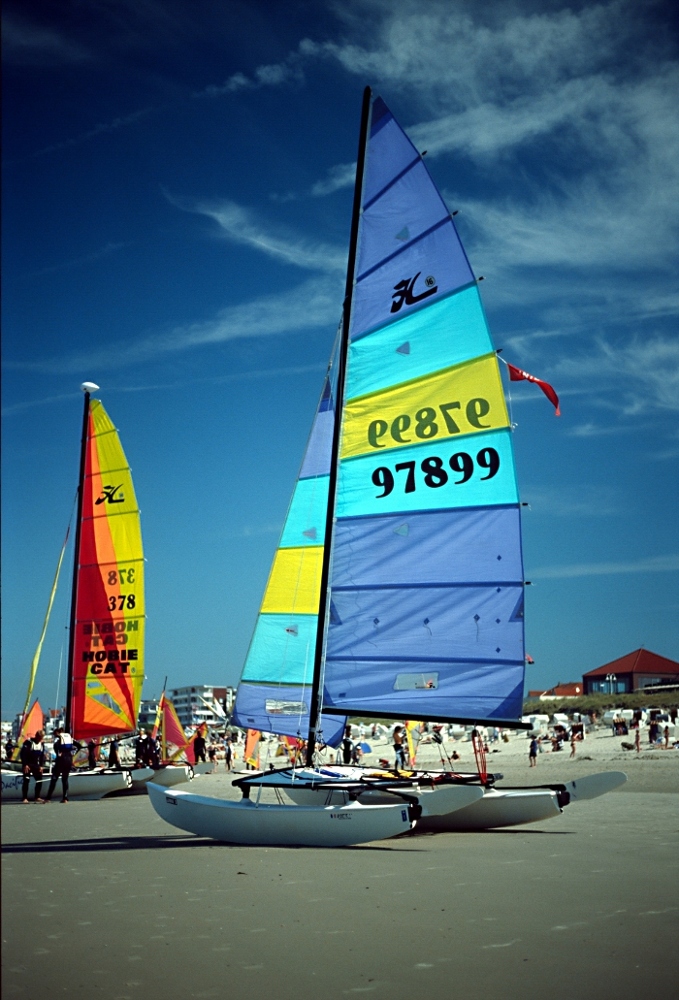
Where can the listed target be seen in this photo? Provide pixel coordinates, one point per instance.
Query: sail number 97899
(427, 424)
(434, 472)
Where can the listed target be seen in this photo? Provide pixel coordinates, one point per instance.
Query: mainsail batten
(426, 466)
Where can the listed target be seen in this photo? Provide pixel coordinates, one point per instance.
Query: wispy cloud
(644, 373)
(103, 128)
(313, 304)
(647, 564)
(269, 75)
(31, 44)
(288, 371)
(242, 226)
(88, 258)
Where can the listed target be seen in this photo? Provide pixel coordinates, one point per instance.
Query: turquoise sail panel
(426, 590)
(274, 691)
(451, 330)
(421, 477)
(282, 650)
(305, 523)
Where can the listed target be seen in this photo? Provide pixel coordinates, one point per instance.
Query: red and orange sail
(173, 740)
(31, 723)
(107, 665)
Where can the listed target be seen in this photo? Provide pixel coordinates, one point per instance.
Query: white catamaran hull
(168, 776)
(490, 808)
(439, 800)
(244, 822)
(518, 806)
(82, 785)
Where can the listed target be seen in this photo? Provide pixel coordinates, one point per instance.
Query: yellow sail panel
(457, 401)
(108, 664)
(294, 584)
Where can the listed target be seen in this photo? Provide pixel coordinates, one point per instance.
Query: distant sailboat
(399, 574)
(105, 668)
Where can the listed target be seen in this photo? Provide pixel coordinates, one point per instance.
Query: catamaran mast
(315, 707)
(87, 388)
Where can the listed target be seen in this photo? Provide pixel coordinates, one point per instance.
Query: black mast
(315, 707)
(86, 386)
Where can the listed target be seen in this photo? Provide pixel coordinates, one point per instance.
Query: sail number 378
(434, 473)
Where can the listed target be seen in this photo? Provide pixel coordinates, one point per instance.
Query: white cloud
(270, 75)
(242, 226)
(32, 44)
(101, 129)
(647, 564)
(643, 372)
(314, 304)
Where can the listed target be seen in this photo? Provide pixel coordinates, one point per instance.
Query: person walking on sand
(637, 738)
(533, 752)
(574, 741)
(63, 747)
(32, 761)
(227, 754)
(666, 735)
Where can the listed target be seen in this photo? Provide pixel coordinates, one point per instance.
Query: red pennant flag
(517, 375)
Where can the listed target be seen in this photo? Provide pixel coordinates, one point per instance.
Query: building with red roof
(633, 672)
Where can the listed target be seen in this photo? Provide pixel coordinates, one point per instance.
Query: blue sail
(275, 687)
(426, 585)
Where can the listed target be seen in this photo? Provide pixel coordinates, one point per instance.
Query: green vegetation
(601, 703)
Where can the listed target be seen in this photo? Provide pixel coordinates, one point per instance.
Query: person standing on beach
(574, 741)
(399, 749)
(227, 754)
(113, 758)
(666, 735)
(91, 755)
(63, 747)
(199, 747)
(347, 746)
(9, 748)
(637, 738)
(32, 761)
(533, 752)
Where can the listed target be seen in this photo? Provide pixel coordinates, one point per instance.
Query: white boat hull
(82, 785)
(497, 808)
(165, 776)
(244, 822)
(437, 801)
(475, 808)
(518, 806)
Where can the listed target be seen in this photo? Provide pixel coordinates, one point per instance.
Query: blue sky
(177, 184)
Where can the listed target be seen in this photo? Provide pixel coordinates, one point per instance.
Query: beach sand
(104, 900)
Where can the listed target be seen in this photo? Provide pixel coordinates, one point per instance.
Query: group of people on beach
(33, 757)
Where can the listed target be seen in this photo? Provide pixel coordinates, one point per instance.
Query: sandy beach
(103, 899)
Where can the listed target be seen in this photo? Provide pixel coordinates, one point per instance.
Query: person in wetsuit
(32, 762)
(64, 748)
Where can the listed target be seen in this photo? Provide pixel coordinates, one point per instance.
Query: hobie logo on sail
(108, 495)
(403, 292)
